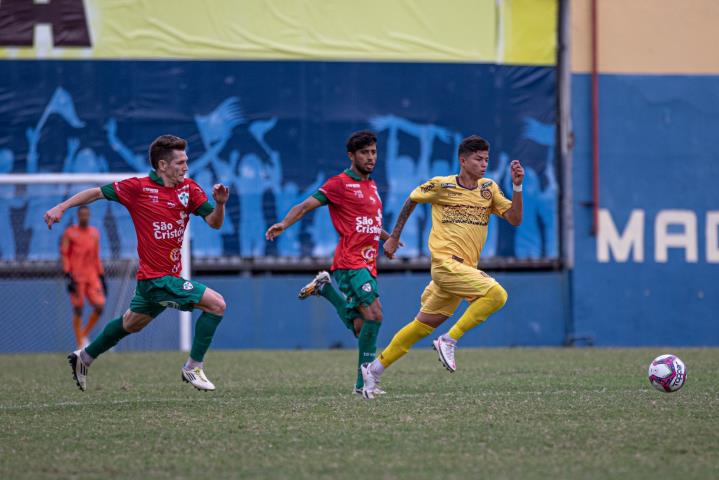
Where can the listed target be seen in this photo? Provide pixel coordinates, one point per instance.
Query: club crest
(184, 197)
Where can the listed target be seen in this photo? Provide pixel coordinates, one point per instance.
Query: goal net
(37, 309)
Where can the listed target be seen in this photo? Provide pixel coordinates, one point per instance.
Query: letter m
(67, 17)
(631, 240)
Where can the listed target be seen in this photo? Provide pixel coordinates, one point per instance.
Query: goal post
(30, 264)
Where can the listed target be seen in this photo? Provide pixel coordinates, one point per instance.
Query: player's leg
(213, 307)
(115, 330)
(143, 308)
(367, 339)
(437, 306)
(77, 299)
(486, 296)
(322, 285)
(96, 297)
(362, 313)
(478, 311)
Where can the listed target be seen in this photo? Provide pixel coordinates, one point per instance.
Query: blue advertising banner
(273, 131)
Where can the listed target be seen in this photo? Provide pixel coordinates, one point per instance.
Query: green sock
(339, 302)
(204, 331)
(367, 346)
(108, 338)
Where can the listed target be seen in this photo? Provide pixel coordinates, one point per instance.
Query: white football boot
(377, 391)
(196, 377)
(445, 351)
(315, 286)
(371, 382)
(79, 369)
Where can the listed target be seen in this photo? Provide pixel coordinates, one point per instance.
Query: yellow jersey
(460, 216)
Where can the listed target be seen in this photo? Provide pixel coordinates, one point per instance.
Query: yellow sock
(403, 340)
(478, 311)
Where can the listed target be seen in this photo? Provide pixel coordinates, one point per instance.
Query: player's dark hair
(471, 144)
(163, 146)
(360, 140)
(83, 207)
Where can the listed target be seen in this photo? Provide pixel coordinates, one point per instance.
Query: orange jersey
(80, 249)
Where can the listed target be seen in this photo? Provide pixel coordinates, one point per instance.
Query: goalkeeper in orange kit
(80, 250)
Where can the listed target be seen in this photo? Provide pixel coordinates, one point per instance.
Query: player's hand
(517, 172)
(71, 285)
(104, 284)
(54, 215)
(220, 193)
(274, 231)
(390, 246)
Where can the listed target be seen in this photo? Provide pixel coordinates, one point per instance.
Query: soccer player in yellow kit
(461, 206)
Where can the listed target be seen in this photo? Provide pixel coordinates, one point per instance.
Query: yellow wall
(648, 36)
(509, 31)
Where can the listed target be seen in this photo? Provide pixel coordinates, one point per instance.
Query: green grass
(506, 413)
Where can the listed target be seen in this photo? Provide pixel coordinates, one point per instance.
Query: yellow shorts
(451, 282)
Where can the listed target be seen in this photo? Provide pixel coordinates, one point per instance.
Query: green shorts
(359, 288)
(154, 295)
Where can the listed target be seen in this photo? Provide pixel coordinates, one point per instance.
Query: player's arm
(514, 214)
(392, 242)
(215, 219)
(294, 215)
(54, 215)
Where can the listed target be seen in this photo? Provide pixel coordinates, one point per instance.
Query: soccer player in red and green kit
(159, 205)
(356, 212)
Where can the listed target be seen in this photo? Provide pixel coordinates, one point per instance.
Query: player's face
(176, 168)
(83, 217)
(475, 163)
(365, 159)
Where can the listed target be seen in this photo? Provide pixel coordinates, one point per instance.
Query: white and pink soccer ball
(667, 373)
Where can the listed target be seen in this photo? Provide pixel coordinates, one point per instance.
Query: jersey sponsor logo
(369, 253)
(166, 230)
(358, 193)
(187, 286)
(485, 185)
(448, 185)
(369, 225)
(171, 204)
(184, 198)
(150, 190)
(181, 221)
(427, 187)
(465, 214)
(352, 185)
(367, 287)
(154, 199)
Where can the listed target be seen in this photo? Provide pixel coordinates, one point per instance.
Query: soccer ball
(667, 373)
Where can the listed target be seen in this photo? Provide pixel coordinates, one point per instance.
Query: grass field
(506, 413)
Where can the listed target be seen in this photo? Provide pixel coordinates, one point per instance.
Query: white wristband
(516, 188)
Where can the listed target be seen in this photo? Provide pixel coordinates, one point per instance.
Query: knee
(374, 316)
(498, 296)
(77, 311)
(99, 309)
(218, 305)
(221, 305)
